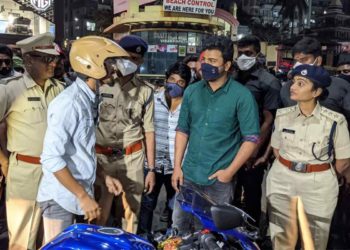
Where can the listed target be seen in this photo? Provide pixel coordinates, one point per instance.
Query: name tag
(107, 95)
(289, 131)
(34, 99)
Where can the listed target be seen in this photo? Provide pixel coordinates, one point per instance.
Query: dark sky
(346, 4)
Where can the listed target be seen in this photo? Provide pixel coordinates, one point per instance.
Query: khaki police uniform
(23, 105)
(126, 113)
(305, 139)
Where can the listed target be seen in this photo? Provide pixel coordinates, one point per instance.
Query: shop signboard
(41, 5)
(122, 5)
(202, 7)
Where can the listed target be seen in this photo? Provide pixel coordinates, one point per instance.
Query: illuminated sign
(41, 5)
(203, 7)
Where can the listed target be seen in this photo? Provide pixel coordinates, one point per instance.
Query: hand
(260, 161)
(150, 181)
(90, 207)
(4, 167)
(222, 175)
(177, 179)
(249, 164)
(114, 186)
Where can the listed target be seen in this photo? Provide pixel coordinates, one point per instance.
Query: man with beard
(219, 122)
(23, 106)
(6, 65)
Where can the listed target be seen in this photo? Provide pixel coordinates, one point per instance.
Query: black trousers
(149, 203)
(249, 182)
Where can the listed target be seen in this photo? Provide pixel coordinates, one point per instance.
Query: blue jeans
(149, 202)
(55, 219)
(219, 192)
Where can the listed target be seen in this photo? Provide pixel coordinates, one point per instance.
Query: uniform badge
(304, 72)
(106, 95)
(138, 49)
(289, 131)
(34, 99)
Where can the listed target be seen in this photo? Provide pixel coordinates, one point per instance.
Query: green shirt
(216, 123)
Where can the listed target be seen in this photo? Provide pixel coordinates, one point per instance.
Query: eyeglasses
(6, 61)
(46, 59)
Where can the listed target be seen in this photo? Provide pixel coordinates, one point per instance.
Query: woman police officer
(307, 140)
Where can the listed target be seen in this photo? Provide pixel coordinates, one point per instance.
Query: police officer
(23, 105)
(308, 51)
(265, 88)
(125, 135)
(306, 139)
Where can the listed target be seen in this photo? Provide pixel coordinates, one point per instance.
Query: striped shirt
(165, 123)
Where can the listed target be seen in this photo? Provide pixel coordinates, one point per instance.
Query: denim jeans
(149, 202)
(219, 192)
(55, 219)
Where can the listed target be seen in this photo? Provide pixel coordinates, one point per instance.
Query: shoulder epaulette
(332, 115)
(9, 79)
(56, 82)
(286, 110)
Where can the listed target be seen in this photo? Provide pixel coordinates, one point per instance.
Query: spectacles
(6, 61)
(47, 59)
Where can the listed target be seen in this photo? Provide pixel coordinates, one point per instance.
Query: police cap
(316, 74)
(42, 43)
(134, 44)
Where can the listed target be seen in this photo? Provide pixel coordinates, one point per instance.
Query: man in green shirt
(219, 123)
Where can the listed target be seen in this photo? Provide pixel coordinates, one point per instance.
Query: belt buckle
(299, 167)
(117, 152)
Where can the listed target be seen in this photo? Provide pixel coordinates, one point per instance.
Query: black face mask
(5, 71)
(345, 77)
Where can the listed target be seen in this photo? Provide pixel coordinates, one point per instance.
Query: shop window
(167, 47)
(91, 26)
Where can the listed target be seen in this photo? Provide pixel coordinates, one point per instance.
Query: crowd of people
(83, 138)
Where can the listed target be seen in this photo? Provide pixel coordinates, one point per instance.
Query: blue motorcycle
(224, 227)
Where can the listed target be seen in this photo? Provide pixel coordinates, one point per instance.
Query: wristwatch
(151, 169)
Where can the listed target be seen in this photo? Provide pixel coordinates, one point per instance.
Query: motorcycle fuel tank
(92, 237)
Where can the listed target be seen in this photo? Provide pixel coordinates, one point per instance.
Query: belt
(28, 159)
(119, 151)
(304, 167)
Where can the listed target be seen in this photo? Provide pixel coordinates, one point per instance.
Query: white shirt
(165, 123)
(69, 142)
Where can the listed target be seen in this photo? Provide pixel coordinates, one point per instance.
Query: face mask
(246, 62)
(126, 67)
(210, 72)
(5, 71)
(299, 63)
(345, 77)
(174, 90)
